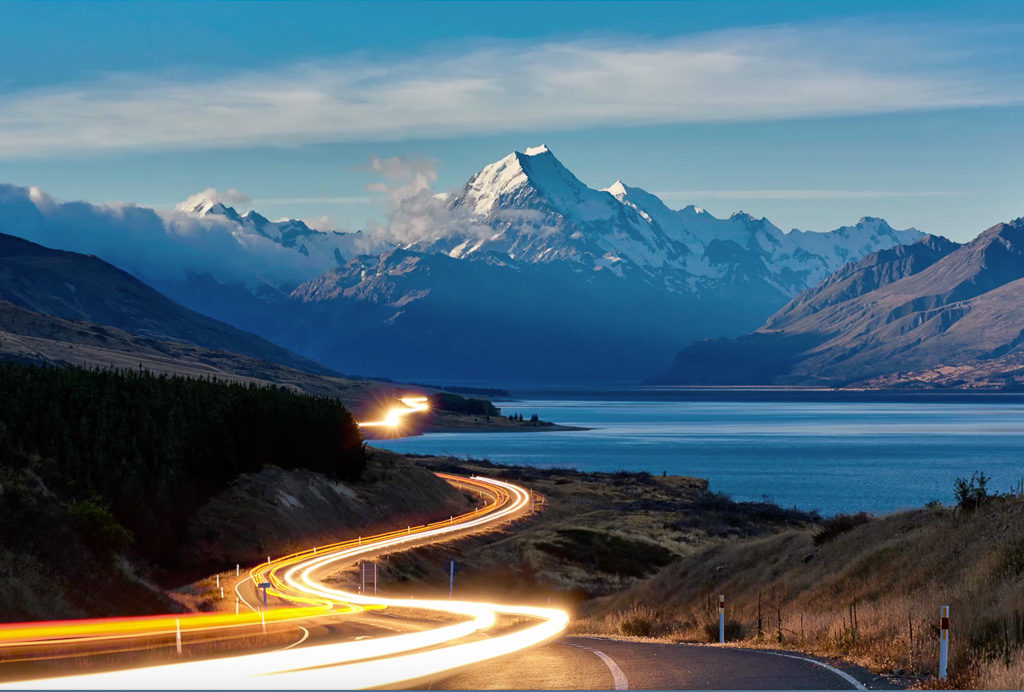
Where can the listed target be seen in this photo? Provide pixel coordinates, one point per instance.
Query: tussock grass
(870, 593)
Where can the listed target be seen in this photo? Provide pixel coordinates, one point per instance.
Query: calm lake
(831, 455)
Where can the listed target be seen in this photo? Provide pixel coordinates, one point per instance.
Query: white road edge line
(239, 593)
(305, 636)
(618, 677)
(857, 684)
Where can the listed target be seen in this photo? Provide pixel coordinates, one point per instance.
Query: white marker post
(236, 605)
(451, 578)
(177, 635)
(222, 593)
(218, 581)
(268, 559)
(721, 619)
(263, 621)
(943, 641)
(238, 568)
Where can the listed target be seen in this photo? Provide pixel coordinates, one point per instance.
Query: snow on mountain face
(533, 209)
(792, 261)
(332, 248)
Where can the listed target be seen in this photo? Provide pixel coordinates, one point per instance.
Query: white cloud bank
(750, 74)
(155, 245)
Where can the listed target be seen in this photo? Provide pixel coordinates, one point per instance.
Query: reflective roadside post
(943, 641)
(721, 618)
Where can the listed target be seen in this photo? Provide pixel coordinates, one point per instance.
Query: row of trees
(154, 448)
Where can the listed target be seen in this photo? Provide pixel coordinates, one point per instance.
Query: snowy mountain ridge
(532, 208)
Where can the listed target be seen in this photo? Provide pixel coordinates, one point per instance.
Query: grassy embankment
(593, 534)
(865, 591)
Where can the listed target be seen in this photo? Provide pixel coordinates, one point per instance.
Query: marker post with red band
(721, 618)
(943, 641)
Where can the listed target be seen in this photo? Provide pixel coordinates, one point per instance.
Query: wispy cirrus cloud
(739, 75)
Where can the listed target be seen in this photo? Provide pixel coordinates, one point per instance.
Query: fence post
(721, 618)
(943, 641)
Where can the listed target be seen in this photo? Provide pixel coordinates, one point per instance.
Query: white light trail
(388, 660)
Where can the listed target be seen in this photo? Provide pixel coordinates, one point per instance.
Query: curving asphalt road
(593, 663)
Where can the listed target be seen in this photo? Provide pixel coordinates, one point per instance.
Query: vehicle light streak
(394, 415)
(386, 660)
(62, 632)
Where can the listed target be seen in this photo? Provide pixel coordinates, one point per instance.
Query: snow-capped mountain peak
(207, 207)
(531, 178)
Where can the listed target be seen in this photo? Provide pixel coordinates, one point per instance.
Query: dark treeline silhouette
(458, 404)
(155, 448)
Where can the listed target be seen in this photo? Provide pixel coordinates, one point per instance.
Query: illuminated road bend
(387, 660)
(395, 414)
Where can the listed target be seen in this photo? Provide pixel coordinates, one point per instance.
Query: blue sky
(812, 114)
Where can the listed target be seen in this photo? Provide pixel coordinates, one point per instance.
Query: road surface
(602, 664)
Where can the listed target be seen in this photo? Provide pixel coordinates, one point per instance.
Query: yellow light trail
(388, 660)
(394, 415)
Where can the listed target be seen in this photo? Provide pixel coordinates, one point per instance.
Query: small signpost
(721, 618)
(264, 585)
(452, 569)
(367, 572)
(943, 641)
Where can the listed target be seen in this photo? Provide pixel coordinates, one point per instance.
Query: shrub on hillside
(971, 493)
(840, 524)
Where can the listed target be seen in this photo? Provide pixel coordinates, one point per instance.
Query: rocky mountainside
(930, 314)
(80, 287)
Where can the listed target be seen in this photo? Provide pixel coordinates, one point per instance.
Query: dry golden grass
(870, 595)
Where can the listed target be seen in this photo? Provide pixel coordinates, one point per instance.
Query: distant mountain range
(523, 274)
(933, 313)
(526, 273)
